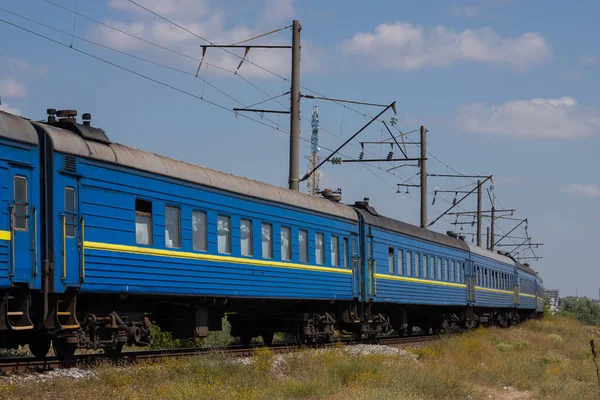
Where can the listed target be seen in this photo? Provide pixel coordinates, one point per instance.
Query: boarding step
(14, 311)
(66, 307)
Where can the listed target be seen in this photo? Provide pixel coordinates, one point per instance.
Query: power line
(277, 127)
(77, 13)
(137, 73)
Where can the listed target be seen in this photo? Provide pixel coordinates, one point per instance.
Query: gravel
(71, 373)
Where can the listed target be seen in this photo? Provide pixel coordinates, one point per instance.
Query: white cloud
(404, 46)
(18, 65)
(277, 12)
(475, 10)
(590, 191)
(7, 108)
(591, 61)
(535, 118)
(9, 87)
(166, 8)
(212, 25)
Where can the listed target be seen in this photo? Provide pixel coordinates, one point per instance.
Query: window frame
(21, 202)
(151, 221)
(250, 238)
(335, 261)
(228, 236)
(289, 254)
(400, 262)
(304, 246)
(271, 240)
(409, 262)
(169, 206)
(322, 249)
(391, 261)
(346, 253)
(205, 230)
(68, 213)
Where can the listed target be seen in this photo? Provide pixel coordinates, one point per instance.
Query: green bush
(582, 309)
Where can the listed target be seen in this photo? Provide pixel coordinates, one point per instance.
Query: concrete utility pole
(479, 213)
(423, 162)
(493, 230)
(294, 183)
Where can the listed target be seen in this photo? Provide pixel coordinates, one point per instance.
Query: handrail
(82, 250)
(64, 232)
(12, 241)
(35, 249)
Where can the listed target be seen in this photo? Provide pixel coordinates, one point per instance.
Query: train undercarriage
(109, 322)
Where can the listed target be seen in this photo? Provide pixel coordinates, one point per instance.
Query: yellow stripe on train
(4, 235)
(119, 248)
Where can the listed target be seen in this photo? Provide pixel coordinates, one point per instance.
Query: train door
(22, 226)
(370, 282)
(471, 283)
(355, 260)
(71, 231)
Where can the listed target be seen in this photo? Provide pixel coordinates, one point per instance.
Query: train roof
(17, 128)
(372, 218)
(525, 268)
(88, 143)
(491, 254)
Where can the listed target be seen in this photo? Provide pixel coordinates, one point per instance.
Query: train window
(172, 227)
(400, 262)
(462, 276)
(21, 206)
(445, 272)
(451, 271)
(246, 237)
(286, 244)
(223, 234)
(455, 266)
(418, 271)
(425, 266)
(70, 214)
(354, 252)
(438, 274)
(391, 260)
(319, 248)
(267, 240)
(408, 263)
(335, 251)
(143, 222)
(199, 230)
(346, 254)
(303, 246)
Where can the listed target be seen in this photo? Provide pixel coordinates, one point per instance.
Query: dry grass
(547, 359)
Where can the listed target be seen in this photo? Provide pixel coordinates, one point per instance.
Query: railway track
(19, 365)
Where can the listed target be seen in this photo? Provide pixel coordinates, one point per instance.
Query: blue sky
(508, 88)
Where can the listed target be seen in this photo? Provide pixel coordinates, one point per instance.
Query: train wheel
(63, 350)
(245, 339)
(114, 352)
(40, 347)
(267, 338)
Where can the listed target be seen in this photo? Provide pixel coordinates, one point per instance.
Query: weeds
(539, 359)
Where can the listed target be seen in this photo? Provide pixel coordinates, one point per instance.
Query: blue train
(97, 239)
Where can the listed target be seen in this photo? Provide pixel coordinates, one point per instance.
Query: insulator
(407, 191)
(390, 155)
(361, 155)
(434, 197)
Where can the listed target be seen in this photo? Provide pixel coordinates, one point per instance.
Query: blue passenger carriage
(138, 233)
(527, 299)
(19, 227)
(413, 275)
(494, 281)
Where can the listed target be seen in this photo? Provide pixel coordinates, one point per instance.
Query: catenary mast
(313, 181)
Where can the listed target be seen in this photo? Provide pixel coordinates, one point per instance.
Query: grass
(547, 359)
